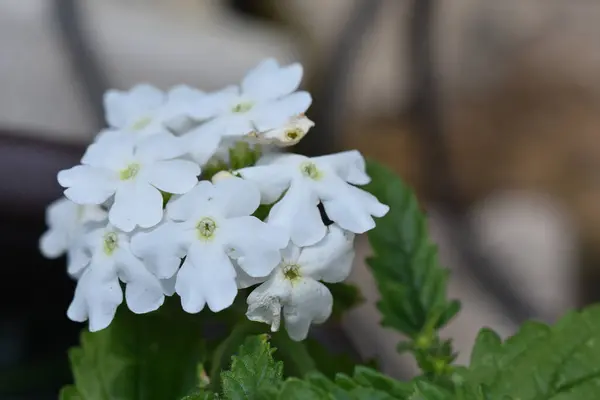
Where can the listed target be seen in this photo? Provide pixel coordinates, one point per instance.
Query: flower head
(98, 292)
(134, 173)
(212, 227)
(293, 288)
(301, 183)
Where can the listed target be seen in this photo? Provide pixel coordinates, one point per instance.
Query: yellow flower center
(206, 228)
(242, 107)
(291, 272)
(111, 242)
(141, 123)
(130, 172)
(310, 170)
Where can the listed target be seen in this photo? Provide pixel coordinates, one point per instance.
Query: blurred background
(491, 110)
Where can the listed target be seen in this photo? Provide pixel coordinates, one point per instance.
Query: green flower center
(141, 123)
(293, 134)
(242, 107)
(111, 242)
(206, 228)
(310, 170)
(291, 272)
(130, 172)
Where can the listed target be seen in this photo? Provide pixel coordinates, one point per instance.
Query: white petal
(77, 259)
(121, 106)
(161, 249)
(265, 301)
(349, 165)
(174, 176)
(207, 276)
(136, 203)
(143, 291)
(234, 125)
(236, 197)
(184, 207)
(310, 303)
(276, 114)
(352, 208)
(61, 212)
(257, 245)
(271, 180)
(287, 135)
(244, 280)
(202, 142)
(298, 214)
(159, 147)
(214, 103)
(168, 285)
(268, 81)
(87, 185)
(112, 150)
(331, 259)
(97, 296)
(53, 243)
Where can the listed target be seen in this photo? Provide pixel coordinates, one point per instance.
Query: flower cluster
(140, 215)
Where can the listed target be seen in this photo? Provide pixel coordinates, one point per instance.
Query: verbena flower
(98, 292)
(67, 223)
(134, 173)
(147, 110)
(213, 226)
(266, 100)
(293, 289)
(301, 183)
(287, 135)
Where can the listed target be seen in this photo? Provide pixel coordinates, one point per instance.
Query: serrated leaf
(539, 362)
(296, 389)
(405, 263)
(253, 372)
(368, 377)
(150, 356)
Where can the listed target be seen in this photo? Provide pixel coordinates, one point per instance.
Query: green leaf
(69, 393)
(254, 373)
(295, 389)
(405, 263)
(150, 356)
(539, 362)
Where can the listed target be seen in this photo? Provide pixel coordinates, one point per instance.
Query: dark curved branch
(67, 15)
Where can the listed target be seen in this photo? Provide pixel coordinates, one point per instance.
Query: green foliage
(410, 279)
(539, 362)
(151, 356)
(347, 296)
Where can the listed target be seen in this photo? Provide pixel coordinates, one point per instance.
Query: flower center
(291, 272)
(141, 123)
(242, 107)
(310, 170)
(111, 242)
(206, 228)
(293, 134)
(130, 172)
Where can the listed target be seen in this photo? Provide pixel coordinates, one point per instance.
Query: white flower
(294, 288)
(98, 292)
(284, 136)
(266, 100)
(304, 182)
(67, 222)
(132, 172)
(214, 226)
(147, 110)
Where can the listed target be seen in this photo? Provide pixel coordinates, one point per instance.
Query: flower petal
(275, 114)
(184, 207)
(143, 291)
(159, 147)
(77, 259)
(349, 165)
(202, 142)
(112, 150)
(136, 203)
(236, 197)
(87, 185)
(265, 301)
(174, 176)
(120, 106)
(310, 303)
(298, 214)
(268, 81)
(351, 208)
(257, 245)
(271, 180)
(53, 243)
(214, 103)
(206, 276)
(97, 296)
(331, 259)
(161, 249)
